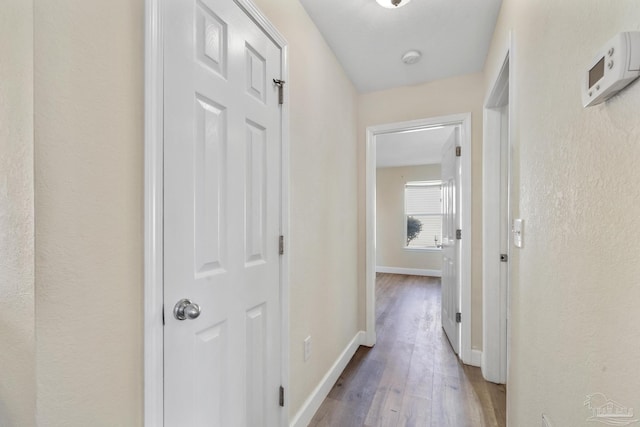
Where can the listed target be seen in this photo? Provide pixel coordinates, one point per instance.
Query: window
(423, 214)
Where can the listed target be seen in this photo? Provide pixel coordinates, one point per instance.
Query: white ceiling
(369, 40)
(420, 147)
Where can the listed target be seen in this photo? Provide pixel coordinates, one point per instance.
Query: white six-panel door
(450, 244)
(222, 151)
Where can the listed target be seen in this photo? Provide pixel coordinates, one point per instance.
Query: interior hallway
(411, 377)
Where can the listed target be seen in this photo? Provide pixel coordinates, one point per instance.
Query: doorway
(408, 201)
(497, 217)
(463, 282)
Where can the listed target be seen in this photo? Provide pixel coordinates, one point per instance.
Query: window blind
(423, 201)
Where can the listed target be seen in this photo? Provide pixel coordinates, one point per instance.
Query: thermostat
(614, 67)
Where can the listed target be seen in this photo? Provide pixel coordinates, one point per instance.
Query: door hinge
(282, 396)
(458, 234)
(504, 257)
(280, 84)
(458, 151)
(458, 317)
(163, 315)
(281, 246)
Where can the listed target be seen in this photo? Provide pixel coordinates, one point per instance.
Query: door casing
(464, 287)
(153, 200)
(497, 147)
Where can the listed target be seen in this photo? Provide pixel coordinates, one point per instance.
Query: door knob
(185, 309)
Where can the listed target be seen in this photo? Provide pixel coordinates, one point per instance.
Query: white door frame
(153, 200)
(495, 293)
(464, 285)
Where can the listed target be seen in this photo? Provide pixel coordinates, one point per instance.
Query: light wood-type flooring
(411, 377)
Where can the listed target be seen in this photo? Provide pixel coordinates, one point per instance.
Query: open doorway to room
(383, 142)
(417, 219)
(408, 201)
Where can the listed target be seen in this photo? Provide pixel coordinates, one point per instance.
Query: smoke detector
(392, 4)
(411, 57)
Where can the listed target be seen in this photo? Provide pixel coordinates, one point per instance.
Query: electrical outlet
(307, 348)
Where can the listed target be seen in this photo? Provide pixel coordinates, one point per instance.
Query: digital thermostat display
(596, 73)
(614, 67)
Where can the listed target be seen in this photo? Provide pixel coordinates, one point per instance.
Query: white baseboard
(313, 402)
(476, 358)
(409, 271)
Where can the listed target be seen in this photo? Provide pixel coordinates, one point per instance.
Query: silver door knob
(185, 309)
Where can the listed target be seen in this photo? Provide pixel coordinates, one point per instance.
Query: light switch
(518, 232)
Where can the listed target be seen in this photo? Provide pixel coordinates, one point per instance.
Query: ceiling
(418, 147)
(369, 40)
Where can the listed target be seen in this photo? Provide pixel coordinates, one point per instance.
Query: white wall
(324, 193)
(17, 341)
(576, 290)
(390, 219)
(89, 211)
(440, 98)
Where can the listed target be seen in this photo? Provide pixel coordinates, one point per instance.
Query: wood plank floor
(411, 377)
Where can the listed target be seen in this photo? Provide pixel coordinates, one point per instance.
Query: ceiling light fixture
(392, 4)
(411, 57)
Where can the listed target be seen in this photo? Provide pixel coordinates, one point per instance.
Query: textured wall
(323, 239)
(89, 210)
(390, 222)
(576, 288)
(451, 96)
(17, 345)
